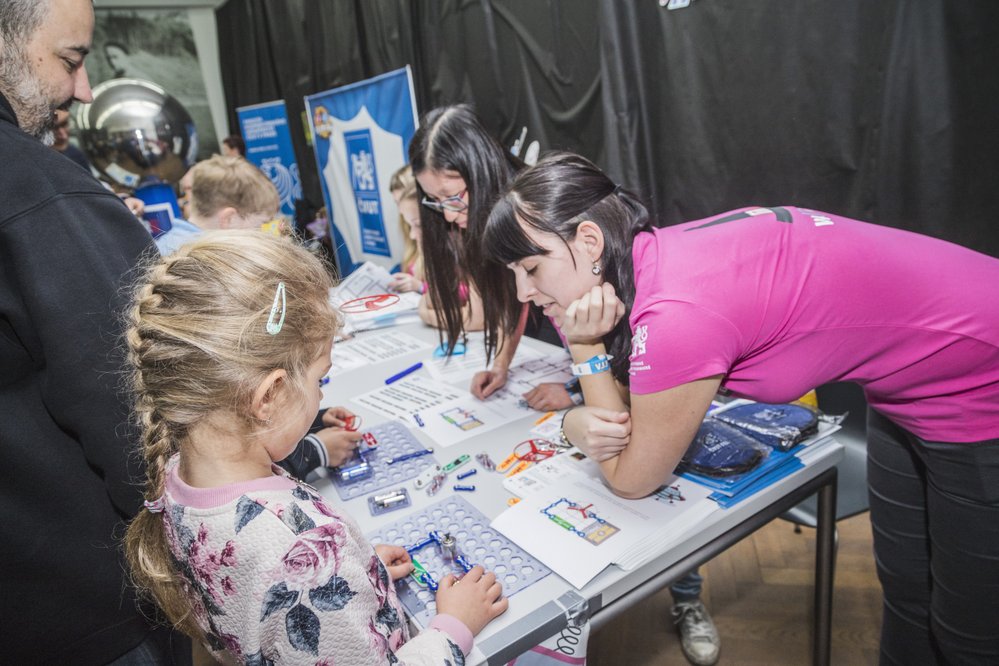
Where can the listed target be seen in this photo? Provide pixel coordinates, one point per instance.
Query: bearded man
(67, 459)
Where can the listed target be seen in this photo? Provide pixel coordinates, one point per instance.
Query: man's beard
(28, 96)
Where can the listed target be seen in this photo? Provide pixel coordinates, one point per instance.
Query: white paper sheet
(566, 510)
(402, 399)
(373, 348)
(460, 368)
(369, 279)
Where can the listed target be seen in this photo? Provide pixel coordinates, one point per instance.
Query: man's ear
(590, 238)
(228, 218)
(267, 397)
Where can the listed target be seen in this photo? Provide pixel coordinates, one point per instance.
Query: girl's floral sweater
(275, 575)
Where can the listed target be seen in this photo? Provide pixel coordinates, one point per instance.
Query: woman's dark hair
(554, 196)
(452, 138)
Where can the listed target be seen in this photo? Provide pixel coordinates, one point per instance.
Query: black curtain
(885, 110)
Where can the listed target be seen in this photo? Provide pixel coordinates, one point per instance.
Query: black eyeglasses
(455, 204)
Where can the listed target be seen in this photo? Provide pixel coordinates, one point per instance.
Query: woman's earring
(596, 269)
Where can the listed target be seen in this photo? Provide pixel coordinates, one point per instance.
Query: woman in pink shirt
(769, 303)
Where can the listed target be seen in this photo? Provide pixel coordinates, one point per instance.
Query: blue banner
(361, 135)
(268, 145)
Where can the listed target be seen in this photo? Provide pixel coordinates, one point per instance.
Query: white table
(548, 606)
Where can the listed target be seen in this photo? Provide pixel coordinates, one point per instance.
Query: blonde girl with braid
(229, 339)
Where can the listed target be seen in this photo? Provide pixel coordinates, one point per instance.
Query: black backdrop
(886, 110)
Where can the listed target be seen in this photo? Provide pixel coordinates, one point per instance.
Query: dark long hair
(452, 138)
(554, 196)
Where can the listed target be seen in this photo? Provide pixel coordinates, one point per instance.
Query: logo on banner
(285, 180)
(323, 122)
(364, 182)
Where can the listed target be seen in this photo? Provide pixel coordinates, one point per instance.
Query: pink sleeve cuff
(455, 629)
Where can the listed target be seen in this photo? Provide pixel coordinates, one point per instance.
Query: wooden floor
(760, 595)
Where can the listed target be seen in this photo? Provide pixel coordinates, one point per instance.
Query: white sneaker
(698, 635)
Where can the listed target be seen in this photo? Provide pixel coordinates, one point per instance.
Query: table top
(540, 610)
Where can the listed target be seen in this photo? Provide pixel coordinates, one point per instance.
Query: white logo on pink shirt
(638, 339)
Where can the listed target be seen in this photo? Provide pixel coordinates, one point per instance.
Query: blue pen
(399, 375)
(419, 421)
(408, 456)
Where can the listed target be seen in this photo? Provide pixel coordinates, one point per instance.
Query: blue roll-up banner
(361, 135)
(268, 145)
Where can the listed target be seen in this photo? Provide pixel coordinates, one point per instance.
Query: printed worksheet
(408, 396)
(365, 300)
(446, 414)
(364, 350)
(459, 368)
(463, 418)
(565, 509)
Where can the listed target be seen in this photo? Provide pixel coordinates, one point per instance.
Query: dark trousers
(935, 517)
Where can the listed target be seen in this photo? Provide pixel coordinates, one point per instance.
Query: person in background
(767, 303)
(403, 189)
(234, 146)
(229, 340)
(61, 142)
(402, 186)
(226, 193)
(67, 461)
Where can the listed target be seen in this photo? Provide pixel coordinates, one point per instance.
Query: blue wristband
(594, 366)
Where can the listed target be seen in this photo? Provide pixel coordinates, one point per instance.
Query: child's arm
(328, 443)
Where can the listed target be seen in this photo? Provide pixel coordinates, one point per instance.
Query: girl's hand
(340, 444)
(475, 599)
(589, 318)
(396, 560)
(599, 433)
(402, 282)
(487, 382)
(338, 417)
(548, 397)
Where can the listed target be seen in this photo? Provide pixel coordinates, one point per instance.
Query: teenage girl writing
(768, 303)
(229, 340)
(460, 170)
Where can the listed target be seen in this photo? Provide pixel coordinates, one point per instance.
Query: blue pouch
(778, 426)
(719, 450)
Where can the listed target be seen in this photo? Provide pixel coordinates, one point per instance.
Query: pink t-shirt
(781, 300)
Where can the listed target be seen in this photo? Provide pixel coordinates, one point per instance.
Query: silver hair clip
(274, 327)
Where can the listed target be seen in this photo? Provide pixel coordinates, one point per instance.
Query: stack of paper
(570, 520)
(366, 301)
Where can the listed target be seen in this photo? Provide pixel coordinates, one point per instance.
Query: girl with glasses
(460, 169)
(412, 276)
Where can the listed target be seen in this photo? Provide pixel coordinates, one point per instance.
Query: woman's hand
(475, 599)
(396, 560)
(589, 318)
(548, 397)
(403, 282)
(600, 433)
(487, 382)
